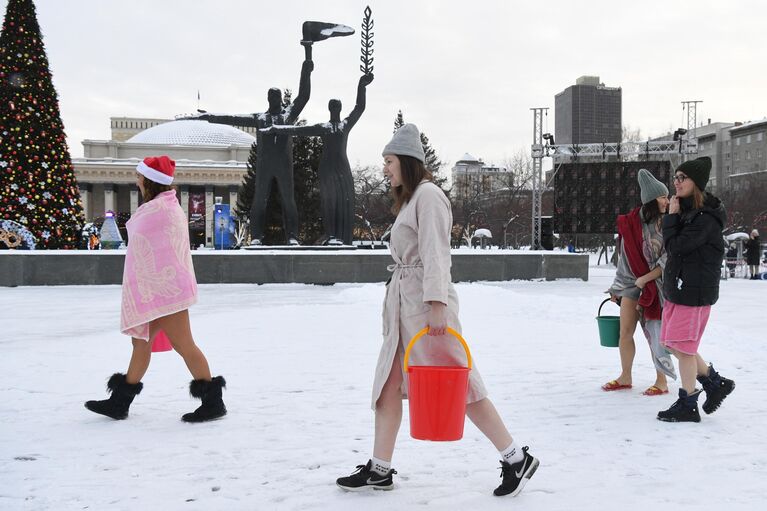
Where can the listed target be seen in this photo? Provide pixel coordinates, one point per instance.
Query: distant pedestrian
(753, 254)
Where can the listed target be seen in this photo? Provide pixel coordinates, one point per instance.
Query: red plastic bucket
(437, 396)
(161, 342)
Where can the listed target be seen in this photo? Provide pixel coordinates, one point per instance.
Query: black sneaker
(516, 476)
(364, 478)
(716, 387)
(684, 409)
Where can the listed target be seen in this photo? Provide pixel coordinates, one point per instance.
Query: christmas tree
(38, 187)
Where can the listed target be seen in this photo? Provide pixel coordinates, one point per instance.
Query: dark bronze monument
(275, 148)
(336, 182)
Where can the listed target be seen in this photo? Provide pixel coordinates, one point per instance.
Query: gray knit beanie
(651, 188)
(406, 141)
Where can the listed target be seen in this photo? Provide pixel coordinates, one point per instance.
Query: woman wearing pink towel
(158, 288)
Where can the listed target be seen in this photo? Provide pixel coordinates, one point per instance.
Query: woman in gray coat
(420, 294)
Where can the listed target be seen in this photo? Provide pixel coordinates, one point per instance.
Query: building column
(184, 189)
(133, 201)
(85, 198)
(209, 207)
(232, 199)
(109, 197)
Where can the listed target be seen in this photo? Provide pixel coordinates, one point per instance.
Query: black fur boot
(212, 404)
(119, 401)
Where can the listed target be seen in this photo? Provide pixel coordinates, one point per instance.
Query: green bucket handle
(599, 312)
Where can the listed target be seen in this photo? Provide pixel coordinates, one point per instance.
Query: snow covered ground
(299, 363)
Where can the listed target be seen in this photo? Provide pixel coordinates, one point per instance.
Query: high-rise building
(588, 113)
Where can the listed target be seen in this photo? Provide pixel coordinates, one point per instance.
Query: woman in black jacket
(692, 235)
(753, 255)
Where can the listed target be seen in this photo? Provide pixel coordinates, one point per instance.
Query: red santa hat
(159, 169)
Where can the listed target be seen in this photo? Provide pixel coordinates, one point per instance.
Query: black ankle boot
(119, 401)
(685, 409)
(212, 404)
(716, 387)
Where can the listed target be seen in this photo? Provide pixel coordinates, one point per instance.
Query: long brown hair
(152, 189)
(697, 197)
(413, 172)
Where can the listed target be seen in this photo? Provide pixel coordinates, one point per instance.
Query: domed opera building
(210, 165)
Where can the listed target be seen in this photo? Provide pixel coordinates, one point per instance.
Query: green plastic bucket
(609, 328)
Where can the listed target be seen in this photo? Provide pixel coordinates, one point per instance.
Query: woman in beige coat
(420, 294)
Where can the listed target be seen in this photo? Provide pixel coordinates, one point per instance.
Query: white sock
(512, 454)
(380, 466)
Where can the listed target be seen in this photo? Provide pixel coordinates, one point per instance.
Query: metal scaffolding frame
(692, 120)
(538, 185)
(649, 150)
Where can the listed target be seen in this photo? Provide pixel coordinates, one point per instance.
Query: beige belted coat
(420, 247)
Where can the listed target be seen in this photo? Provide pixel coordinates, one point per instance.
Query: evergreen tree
(432, 162)
(248, 185)
(306, 190)
(38, 187)
(399, 121)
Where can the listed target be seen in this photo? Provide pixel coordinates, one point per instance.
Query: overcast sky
(465, 71)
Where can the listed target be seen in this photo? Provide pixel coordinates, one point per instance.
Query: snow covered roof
(467, 157)
(194, 133)
(749, 124)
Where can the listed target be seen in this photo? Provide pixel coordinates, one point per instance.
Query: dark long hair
(152, 189)
(413, 172)
(651, 211)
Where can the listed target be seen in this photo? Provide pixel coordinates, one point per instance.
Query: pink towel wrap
(158, 279)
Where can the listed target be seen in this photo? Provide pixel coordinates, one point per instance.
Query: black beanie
(698, 170)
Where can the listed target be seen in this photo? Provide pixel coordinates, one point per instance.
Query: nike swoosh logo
(370, 481)
(521, 471)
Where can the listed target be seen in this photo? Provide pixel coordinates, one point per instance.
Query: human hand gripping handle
(437, 322)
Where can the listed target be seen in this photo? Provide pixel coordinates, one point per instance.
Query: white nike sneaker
(516, 476)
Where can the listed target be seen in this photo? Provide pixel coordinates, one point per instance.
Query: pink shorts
(682, 326)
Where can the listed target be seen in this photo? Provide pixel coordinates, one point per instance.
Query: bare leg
(626, 345)
(660, 380)
(688, 369)
(388, 414)
(484, 415)
(179, 332)
(702, 365)
(139, 361)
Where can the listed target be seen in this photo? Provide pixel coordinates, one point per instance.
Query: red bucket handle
(423, 332)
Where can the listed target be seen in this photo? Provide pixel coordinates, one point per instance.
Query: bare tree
(372, 205)
(513, 214)
(630, 134)
(502, 205)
